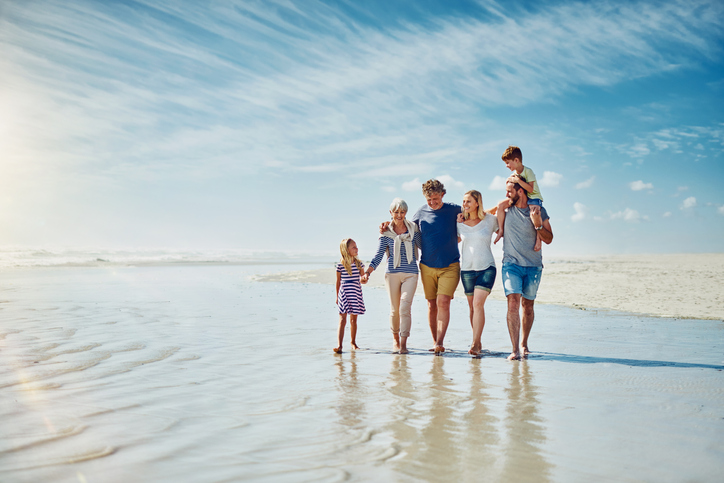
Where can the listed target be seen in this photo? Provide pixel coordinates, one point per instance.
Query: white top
(475, 251)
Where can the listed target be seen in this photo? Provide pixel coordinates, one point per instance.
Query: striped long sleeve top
(387, 245)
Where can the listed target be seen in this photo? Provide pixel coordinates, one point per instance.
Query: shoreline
(689, 286)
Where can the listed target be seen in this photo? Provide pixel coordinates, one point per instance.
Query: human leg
(528, 317)
(340, 332)
(408, 287)
(394, 283)
(353, 330)
(447, 283)
(479, 299)
(513, 319)
(429, 284)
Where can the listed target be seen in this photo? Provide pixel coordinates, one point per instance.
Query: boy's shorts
(521, 280)
(440, 281)
(480, 279)
(535, 201)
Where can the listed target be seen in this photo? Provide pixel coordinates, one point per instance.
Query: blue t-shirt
(439, 235)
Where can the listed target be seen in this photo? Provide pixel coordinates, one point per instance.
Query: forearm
(545, 233)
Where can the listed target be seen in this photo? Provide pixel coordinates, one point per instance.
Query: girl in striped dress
(349, 291)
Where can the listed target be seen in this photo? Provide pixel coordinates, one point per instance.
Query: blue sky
(290, 125)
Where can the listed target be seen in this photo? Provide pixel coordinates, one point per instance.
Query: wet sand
(678, 285)
(201, 373)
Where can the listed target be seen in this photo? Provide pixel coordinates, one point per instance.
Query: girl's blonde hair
(347, 258)
(479, 199)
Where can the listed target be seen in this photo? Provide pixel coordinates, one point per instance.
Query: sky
(290, 125)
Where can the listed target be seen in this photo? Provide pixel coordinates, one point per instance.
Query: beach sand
(202, 373)
(678, 285)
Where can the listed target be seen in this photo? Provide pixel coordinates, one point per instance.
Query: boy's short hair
(511, 153)
(432, 186)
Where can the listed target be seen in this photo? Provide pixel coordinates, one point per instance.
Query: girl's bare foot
(514, 356)
(355, 346)
(338, 350)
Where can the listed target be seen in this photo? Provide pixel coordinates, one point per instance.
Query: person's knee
(514, 300)
(527, 305)
(443, 301)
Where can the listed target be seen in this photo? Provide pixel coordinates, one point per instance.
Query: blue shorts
(521, 280)
(482, 279)
(535, 201)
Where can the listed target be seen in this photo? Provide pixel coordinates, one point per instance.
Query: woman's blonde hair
(479, 199)
(347, 258)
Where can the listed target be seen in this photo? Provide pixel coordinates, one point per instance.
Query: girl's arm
(336, 293)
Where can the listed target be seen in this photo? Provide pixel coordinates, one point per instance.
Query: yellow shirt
(528, 176)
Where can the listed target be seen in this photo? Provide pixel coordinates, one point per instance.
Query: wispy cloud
(688, 203)
(629, 215)
(550, 179)
(720, 210)
(585, 184)
(640, 185)
(497, 184)
(580, 212)
(413, 185)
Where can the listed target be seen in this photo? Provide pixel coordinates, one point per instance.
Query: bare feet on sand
(474, 350)
(355, 346)
(338, 350)
(403, 350)
(514, 356)
(524, 350)
(395, 347)
(439, 349)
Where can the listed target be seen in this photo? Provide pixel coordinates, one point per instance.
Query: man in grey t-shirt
(522, 265)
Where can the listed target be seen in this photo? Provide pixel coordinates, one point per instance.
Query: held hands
(364, 278)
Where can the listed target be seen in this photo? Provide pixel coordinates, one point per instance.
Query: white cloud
(413, 185)
(449, 182)
(389, 189)
(689, 202)
(550, 179)
(497, 184)
(638, 150)
(629, 216)
(720, 210)
(640, 185)
(581, 211)
(585, 184)
(667, 214)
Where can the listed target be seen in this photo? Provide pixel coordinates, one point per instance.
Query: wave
(13, 257)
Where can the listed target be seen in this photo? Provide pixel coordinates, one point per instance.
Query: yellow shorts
(439, 281)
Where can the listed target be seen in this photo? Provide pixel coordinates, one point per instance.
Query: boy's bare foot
(439, 349)
(355, 346)
(338, 350)
(536, 247)
(514, 356)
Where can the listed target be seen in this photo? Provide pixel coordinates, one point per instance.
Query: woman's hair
(479, 199)
(398, 204)
(347, 258)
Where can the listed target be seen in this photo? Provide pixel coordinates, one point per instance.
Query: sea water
(199, 372)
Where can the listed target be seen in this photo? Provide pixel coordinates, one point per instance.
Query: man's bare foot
(524, 350)
(338, 350)
(514, 356)
(439, 349)
(355, 346)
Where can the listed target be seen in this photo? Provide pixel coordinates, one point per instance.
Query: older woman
(400, 242)
(477, 267)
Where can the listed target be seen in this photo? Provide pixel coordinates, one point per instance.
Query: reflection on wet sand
(350, 407)
(524, 459)
(482, 441)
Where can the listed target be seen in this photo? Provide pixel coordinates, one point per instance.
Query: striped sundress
(350, 291)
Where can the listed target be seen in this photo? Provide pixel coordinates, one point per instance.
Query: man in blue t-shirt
(522, 265)
(440, 260)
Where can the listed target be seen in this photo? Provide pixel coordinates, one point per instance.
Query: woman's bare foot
(396, 346)
(514, 356)
(338, 350)
(355, 346)
(403, 350)
(439, 349)
(474, 350)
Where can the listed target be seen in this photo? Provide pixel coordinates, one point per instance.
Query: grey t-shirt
(519, 238)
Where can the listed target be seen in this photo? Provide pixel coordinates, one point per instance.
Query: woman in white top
(477, 266)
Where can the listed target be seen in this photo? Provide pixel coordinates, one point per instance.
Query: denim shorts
(482, 279)
(535, 201)
(521, 280)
